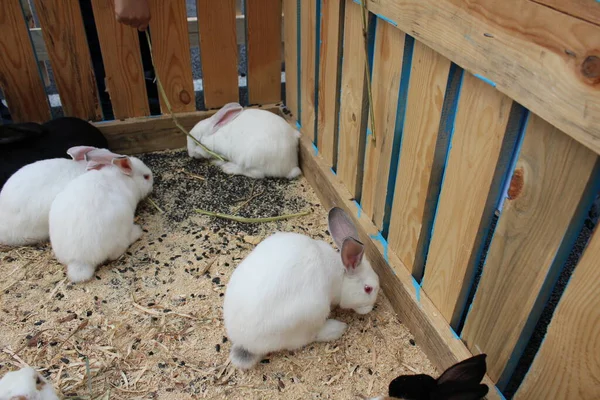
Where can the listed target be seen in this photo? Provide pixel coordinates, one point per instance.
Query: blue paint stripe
(317, 63)
(454, 335)
(409, 45)
(417, 290)
(558, 264)
(332, 171)
(384, 244)
(358, 209)
(315, 149)
(386, 19)
(486, 80)
(299, 57)
(499, 393)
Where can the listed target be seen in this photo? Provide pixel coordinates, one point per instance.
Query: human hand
(135, 13)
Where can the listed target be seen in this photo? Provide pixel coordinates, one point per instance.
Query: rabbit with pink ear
(91, 220)
(256, 143)
(26, 197)
(281, 294)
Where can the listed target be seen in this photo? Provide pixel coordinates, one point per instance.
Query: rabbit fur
(26, 384)
(281, 294)
(91, 220)
(256, 143)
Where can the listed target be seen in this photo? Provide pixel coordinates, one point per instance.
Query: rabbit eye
(368, 289)
(146, 176)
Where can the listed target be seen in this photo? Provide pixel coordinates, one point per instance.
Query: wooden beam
(290, 26)
(147, 134)
(588, 10)
(547, 61)
(308, 54)
(412, 305)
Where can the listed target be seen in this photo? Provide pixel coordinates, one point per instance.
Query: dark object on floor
(460, 381)
(22, 144)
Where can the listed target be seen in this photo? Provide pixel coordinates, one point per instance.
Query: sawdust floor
(150, 324)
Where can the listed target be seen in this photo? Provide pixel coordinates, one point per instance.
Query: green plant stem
(168, 104)
(363, 3)
(252, 220)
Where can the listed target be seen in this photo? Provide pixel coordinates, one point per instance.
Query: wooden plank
(122, 62)
(588, 10)
(62, 26)
(330, 56)
(216, 24)
(290, 26)
(19, 76)
(171, 52)
(545, 60)
(387, 71)
(27, 11)
(566, 366)
(552, 174)
(263, 19)
(144, 135)
(353, 102)
(421, 158)
(412, 305)
(308, 34)
(481, 121)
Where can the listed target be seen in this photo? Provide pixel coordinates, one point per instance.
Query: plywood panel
(263, 18)
(419, 170)
(171, 52)
(290, 26)
(332, 17)
(481, 121)
(19, 76)
(216, 25)
(353, 103)
(387, 71)
(545, 60)
(308, 34)
(584, 9)
(122, 62)
(552, 173)
(566, 366)
(64, 34)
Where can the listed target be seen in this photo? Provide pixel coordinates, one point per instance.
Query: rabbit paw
(136, 233)
(332, 330)
(231, 168)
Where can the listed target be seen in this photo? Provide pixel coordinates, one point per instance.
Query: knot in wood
(591, 67)
(516, 183)
(185, 97)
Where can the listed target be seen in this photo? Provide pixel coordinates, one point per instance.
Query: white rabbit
(91, 220)
(26, 384)
(280, 295)
(26, 197)
(256, 143)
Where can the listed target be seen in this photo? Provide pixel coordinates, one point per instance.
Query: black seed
(65, 360)
(217, 280)
(218, 348)
(38, 323)
(89, 313)
(412, 342)
(265, 361)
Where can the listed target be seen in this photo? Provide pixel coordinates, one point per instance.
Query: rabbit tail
(80, 272)
(242, 358)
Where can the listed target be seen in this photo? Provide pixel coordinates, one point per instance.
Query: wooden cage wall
(470, 98)
(483, 110)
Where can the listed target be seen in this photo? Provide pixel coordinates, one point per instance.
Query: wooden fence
(470, 98)
(487, 125)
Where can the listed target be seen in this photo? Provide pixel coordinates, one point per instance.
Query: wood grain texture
(19, 75)
(535, 55)
(332, 14)
(553, 172)
(353, 102)
(567, 366)
(387, 70)
(290, 27)
(588, 10)
(171, 52)
(414, 309)
(263, 19)
(64, 34)
(308, 35)
(418, 167)
(481, 121)
(144, 135)
(216, 25)
(122, 62)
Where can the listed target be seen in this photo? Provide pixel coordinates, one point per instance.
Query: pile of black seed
(179, 194)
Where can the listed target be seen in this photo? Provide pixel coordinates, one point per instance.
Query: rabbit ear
(352, 253)
(473, 393)
(95, 165)
(340, 226)
(102, 156)
(79, 153)
(412, 386)
(124, 164)
(467, 372)
(225, 115)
